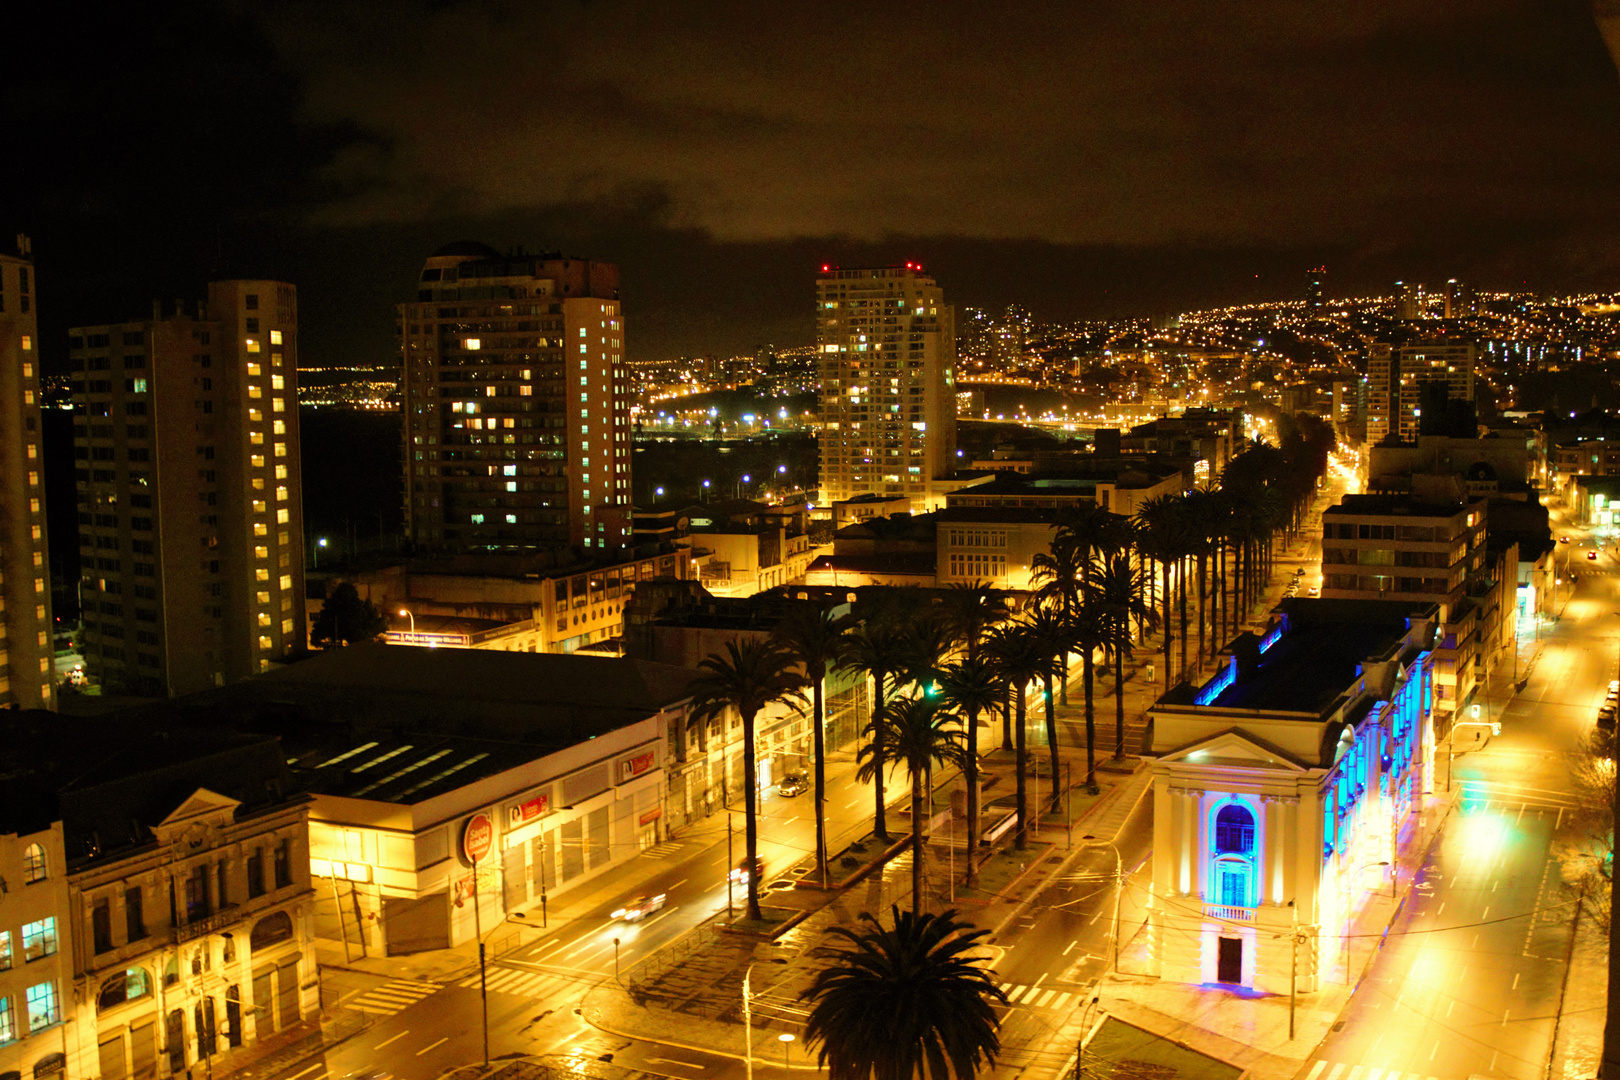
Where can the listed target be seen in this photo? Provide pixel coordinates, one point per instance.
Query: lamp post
(320, 542)
(1119, 887)
(407, 613)
(786, 1039)
(748, 1012)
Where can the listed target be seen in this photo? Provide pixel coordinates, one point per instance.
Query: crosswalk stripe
(1046, 997)
(1355, 1073)
(1338, 1068)
(1006, 987)
(1374, 1074)
(1316, 1070)
(1062, 1000)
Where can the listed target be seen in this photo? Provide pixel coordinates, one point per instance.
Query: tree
(746, 677)
(1020, 658)
(1119, 593)
(878, 648)
(346, 619)
(1092, 630)
(915, 732)
(908, 1003)
(1055, 633)
(972, 611)
(972, 687)
(815, 638)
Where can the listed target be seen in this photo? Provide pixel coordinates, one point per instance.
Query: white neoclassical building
(1280, 788)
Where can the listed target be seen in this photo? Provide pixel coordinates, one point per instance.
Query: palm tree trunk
(1169, 632)
(751, 816)
(1006, 722)
(1051, 740)
(1021, 839)
(880, 823)
(820, 746)
(1181, 581)
(1087, 674)
(1119, 700)
(918, 782)
(970, 773)
(1203, 606)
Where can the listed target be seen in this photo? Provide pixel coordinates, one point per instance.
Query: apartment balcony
(1227, 913)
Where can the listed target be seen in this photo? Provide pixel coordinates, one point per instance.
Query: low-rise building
(38, 1025)
(1280, 784)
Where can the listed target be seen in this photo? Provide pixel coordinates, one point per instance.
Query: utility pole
(483, 972)
(1293, 969)
(1609, 1067)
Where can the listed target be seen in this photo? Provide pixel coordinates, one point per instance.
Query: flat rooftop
(1401, 505)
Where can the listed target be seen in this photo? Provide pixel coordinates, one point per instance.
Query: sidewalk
(1250, 1029)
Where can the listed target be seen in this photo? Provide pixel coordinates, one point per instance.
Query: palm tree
(815, 638)
(1060, 576)
(749, 676)
(1054, 632)
(1020, 658)
(908, 1003)
(915, 732)
(878, 648)
(972, 611)
(1092, 630)
(1120, 593)
(971, 687)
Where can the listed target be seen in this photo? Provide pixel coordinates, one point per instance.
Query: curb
(597, 1023)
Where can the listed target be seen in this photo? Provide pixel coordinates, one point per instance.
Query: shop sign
(630, 768)
(651, 816)
(477, 837)
(524, 812)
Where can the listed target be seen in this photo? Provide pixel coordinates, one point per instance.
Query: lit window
(252, 345)
(525, 391)
(286, 581)
(28, 371)
(509, 470)
(255, 392)
(478, 519)
(39, 938)
(275, 337)
(28, 343)
(279, 427)
(257, 461)
(277, 382)
(264, 618)
(265, 642)
(260, 529)
(473, 344)
(286, 626)
(281, 493)
(263, 597)
(253, 370)
(258, 483)
(34, 864)
(262, 574)
(259, 506)
(511, 519)
(278, 405)
(42, 1010)
(255, 416)
(8, 1029)
(281, 472)
(281, 449)
(282, 516)
(511, 485)
(256, 438)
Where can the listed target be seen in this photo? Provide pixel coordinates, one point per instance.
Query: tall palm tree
(878, 648)
(1060, 576)
(1054, 632)
(815, 638)
(747, 677)
(930, 638)
(1020, 658)
(912, 1002)
(1120, 595)
(1092, 630)
(972, 611)
(972, 687)
(916, 732)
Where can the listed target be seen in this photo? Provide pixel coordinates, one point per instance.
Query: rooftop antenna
(25, 246)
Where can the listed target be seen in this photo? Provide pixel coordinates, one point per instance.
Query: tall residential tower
(190, 505)
(888, 383)
(27, 678)
(516, 403)
(1397, 375)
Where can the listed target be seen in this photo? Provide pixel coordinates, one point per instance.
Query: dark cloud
(1081, 158)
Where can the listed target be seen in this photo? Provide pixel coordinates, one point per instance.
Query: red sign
(519, 813)
(651, 815)
(631, 768)
(477, 837)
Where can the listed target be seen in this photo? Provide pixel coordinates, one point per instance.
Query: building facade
(27, 675)
(39, 1028)
(185, 439)
(1279, 784)
(887, 343)
(516, 403)
(1396, 376)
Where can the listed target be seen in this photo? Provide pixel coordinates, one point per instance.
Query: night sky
(1084, 159)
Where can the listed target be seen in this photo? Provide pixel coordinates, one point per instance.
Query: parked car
(792, 784)
(1605, 717)
(640, 908)
(1313, 591)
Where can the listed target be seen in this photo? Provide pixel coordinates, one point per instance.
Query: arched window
(33, 864)
(50, 1064)
(1234, 830)
(127, 985)
(270, 930)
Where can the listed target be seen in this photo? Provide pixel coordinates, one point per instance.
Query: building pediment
(1235, 747)
(198, 821)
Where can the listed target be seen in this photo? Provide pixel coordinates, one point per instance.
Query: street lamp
(406, 612)
(1119, 887)
(748, 1012)
(320, 542)
(785, 1039)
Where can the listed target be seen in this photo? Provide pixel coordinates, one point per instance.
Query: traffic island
(772, 923)
(849, 865)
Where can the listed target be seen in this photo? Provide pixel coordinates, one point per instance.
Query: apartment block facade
(190, 503)
(516, 404)
(1396, 375)
(27, 675)
(887, 343)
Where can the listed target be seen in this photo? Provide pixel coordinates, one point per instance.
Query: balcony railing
(1229, 914)
(207, 925)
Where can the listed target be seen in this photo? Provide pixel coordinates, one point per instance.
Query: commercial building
(1118, 485)
(743, 547)
(1280, 784)
(515, 400)
(27, 678)
(546, 769)
(1397, 375)
(888, 383)
(187, 463)
(38, 1025)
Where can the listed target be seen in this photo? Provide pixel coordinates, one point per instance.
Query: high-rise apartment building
(190, 504)
(888, 383)
(1408, 300)
(516, 403)
(1397, 375)
(27, 675)
(1314, 289)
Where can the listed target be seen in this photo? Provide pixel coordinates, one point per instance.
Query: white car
(640, 908)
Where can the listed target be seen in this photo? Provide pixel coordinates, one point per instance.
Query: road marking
(1485, 916)
(1495, 883)
(1515, 985)
(675, 1061)
(672, 888)
(396, 1038)
(1441, 909)
(1355, 1073)
(1045, 999)
(1435, 1051)
(1505, 1017)
(1338, 1068)
(440, 1043)
(305, 1072)
(1452, 1004)
(1316, 1070)
(1071, 946)
(1042, 979)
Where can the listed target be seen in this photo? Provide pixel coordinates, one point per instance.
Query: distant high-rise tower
(888, 383)
(516, 403)
(1314, 286)
(1396, 375)
(190, 503)
(1408, 300)
(1459, 300)
(27, 675)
